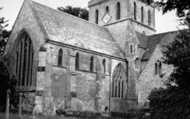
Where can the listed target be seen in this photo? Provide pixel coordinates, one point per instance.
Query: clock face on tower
(106, 18)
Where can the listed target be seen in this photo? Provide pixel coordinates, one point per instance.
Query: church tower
(116, 14)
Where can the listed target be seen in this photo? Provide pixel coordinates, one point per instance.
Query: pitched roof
(142, 40)
(93, 2)
(61, 27)
(154, 40)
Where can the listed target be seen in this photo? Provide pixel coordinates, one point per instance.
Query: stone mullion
(119, 88)
(118, 80)
(18, 63)
(21, 62)
(112, 88)
(115, 88)
(122, 89)
(116, 83)
(26, 61)
(29, 64)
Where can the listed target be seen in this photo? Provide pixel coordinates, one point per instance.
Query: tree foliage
(4, 34)
(181, 6)
(76, 11)
(173, 102)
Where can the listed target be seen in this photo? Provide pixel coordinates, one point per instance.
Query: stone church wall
(148, 80)
(80, 89)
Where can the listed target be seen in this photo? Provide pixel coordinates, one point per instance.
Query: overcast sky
(11, 8)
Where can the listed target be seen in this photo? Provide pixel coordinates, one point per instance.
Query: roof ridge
(163, 33)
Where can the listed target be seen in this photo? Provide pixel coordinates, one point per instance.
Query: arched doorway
(4, 85)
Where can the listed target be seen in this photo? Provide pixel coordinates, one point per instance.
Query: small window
(142, 14)
(104, 65)
(118, 11)
(77, 61)
(135, 11)
(60, 57)
(131, 49)
(158, 68)
(149, 17)
(107, 9)
(96, 16)
(92, 64)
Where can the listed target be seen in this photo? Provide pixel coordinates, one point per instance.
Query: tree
(4, 34)
(76, 11)
(173, 102)
(182, 7)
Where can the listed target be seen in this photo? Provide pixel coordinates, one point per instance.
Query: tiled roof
(142, 40)
(61, 27)
(93, 2)
(154, 40)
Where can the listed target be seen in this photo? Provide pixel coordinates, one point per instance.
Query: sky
(164, 23)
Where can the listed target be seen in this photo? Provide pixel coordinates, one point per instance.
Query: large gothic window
(119, 78)
(60, 57)
(118, 11)
(24, 61)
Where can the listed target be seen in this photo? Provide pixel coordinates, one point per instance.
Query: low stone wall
(142, 114)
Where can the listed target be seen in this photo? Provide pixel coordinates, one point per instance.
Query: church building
(111, 62)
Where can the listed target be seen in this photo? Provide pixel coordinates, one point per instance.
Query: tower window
(60, 57)
(149, 17)
(131, 48)
(118, 11)
(135, 11)
(158, 68)
(91, 64)
(107, 9)
(96, 16)
(77, 61)
(142, 14)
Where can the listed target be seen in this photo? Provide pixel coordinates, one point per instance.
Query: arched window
(156, 68)
(77, 61)
(96, 16)
(60, 57)
(149, 17)
(92, 64)
(142, 14)
(104, 65)
(119, 77)
(135, 11)
(159, 68)
(24, 61)
(118, 11)
(107, 9)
